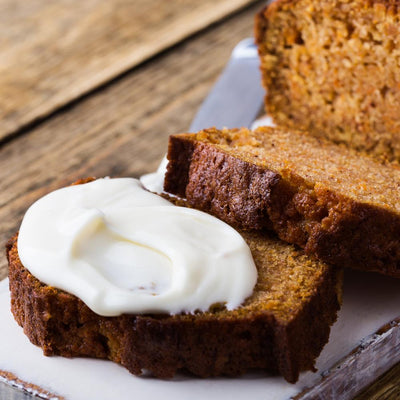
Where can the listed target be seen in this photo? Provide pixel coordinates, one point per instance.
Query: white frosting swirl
(122, 249)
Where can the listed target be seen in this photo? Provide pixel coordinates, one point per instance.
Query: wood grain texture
(120, 131)
(387, 387)
(54, 52)
(374, 356)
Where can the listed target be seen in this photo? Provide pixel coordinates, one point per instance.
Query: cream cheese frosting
(122, 249)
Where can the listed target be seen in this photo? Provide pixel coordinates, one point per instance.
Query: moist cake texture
(331, 68)
(281, 328)
(338, 205)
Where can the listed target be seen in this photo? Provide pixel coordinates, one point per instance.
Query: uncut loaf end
(340, 206)
(332, 68)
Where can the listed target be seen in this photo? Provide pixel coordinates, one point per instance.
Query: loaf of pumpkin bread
(340, 206)
(331, 67)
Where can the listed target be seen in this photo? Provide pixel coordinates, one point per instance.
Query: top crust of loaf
(319, 164)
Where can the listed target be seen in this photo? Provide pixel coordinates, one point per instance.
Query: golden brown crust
(277, 331)
(337, 205)
(331, 68)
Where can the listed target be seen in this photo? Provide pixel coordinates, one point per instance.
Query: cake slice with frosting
(280, 326)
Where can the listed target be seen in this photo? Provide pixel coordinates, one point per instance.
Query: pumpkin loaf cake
(331, 67)
(338, 205)
(281, 328)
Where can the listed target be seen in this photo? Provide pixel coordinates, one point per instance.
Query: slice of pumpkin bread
(340, 206)
(331, 67)
(281, 328)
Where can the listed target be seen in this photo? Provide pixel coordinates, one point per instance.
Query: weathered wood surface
(387, 387)
(54, 52)
(374, 356)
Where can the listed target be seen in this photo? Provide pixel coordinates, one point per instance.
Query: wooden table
(94, 88)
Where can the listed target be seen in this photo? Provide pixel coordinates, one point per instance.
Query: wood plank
(13, 388)
(121, 130)
(386, 387)
(374, 356)
(54, 52)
